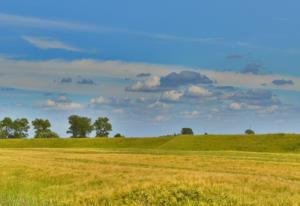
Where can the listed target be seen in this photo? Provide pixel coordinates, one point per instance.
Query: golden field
(96, 177)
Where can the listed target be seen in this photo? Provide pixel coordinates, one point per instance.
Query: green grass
(255, 143)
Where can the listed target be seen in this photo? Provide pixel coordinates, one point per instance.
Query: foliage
(20, 127)
(187, 131)
(14, 129)
(42, 129)
(249, 132)
(6, 128)
(118, 135)
(102, 127)
(46, 134)
(80, 127)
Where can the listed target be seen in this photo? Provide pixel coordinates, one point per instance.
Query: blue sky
(153, 66)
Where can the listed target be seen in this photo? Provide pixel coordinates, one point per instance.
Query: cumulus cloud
(48, 43)
(171, 80)
(282, 82)
(184, 78)
(151, 84)
(172, 95)
(100, 101)
(190, 114)
(161, 118)
(159, 105)
(61, 105)
(253, 97)
(197, 91)
(28, 75)
(235, 106)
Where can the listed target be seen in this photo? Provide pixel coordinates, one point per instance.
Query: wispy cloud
(35, 22)
(48, 43)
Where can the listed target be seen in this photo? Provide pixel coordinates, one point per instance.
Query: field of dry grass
(93, 177)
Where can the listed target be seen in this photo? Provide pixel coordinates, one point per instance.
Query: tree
(80, 127)
(102, 127)
(118, 135)
(42, 129)
(249, 132)
(187, 131)
(47, 134)
(6, 128)
(20, 128)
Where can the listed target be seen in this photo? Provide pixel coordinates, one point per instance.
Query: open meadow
(186, 170)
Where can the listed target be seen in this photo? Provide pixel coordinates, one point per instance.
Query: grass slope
(255, 143)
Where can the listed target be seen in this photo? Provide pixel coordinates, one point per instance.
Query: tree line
(80, 127)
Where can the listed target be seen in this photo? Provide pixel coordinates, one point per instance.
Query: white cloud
(35, 22)
(148, 85)
(52, 104)
(159, 105)
(100, 101)
(192, 114)
(40, 76)
(197, 91)
(47, 43)
(235, 106)
(172, 95)
(161, 118)
(118, 111)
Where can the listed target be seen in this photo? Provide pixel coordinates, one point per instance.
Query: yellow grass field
(96, 177)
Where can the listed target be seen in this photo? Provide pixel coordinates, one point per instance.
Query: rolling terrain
(262, 170)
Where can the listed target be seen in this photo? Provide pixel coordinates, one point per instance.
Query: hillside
(255, 143)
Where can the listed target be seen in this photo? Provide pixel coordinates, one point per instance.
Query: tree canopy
(80, 127)
(187, 131)
(42, 129)
(102, 127)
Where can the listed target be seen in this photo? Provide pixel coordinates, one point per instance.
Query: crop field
(171, 171)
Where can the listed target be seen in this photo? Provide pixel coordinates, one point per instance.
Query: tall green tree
(20, 128)
(42, 129)
(6, 128)
(80, 127)
(102, 127)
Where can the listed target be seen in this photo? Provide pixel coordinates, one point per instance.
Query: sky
(153, 67)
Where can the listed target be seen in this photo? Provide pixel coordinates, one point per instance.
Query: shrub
(249, 132)
(187, 131)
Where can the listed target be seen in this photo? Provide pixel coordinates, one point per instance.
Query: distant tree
(20, 128)
(118, 135)
(47, 134)
(102, 127)
(42, 129)
(249, 132)
(205, 133)
(80, 127)
(6, 128)
(187, 131)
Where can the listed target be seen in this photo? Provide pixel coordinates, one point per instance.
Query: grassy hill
(255, 143)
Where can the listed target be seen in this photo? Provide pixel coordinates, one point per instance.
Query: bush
(118, 135)
(187, 131)
(249, 132)
(46, 134)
